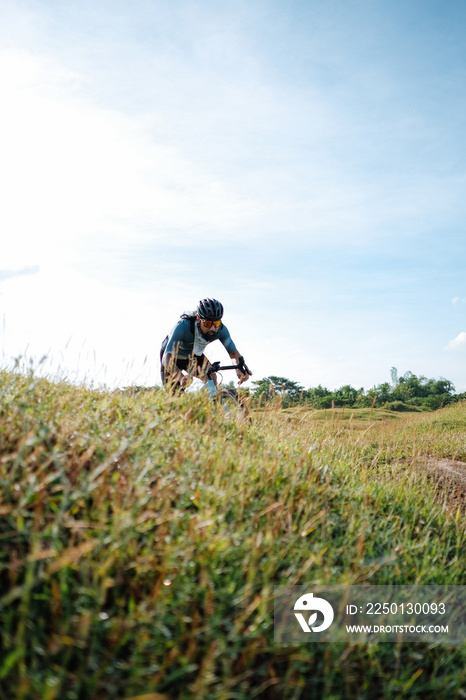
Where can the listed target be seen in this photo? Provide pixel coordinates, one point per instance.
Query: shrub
(399, 406)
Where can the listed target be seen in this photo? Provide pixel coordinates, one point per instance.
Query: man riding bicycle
(183, 349)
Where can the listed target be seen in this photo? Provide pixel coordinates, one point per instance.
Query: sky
(302, 161)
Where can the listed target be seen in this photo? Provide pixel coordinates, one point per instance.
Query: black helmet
(210, 309)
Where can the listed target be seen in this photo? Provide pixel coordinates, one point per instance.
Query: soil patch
(449, 476)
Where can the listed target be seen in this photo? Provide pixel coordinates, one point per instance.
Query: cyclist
(183, 349)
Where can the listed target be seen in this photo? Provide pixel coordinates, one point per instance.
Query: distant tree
(319, 397)
(384, 393)
(404, 389)
(320, 391)
(289, 391)
(263, 390)
(345, 395)
(361, 399)
(407, 390)
(444, 386)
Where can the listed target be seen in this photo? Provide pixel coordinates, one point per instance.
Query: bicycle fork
(212, 390)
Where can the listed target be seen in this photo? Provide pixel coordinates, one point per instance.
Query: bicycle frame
(216, 367)
(210, 387)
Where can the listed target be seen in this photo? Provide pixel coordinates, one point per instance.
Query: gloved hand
(242, 376)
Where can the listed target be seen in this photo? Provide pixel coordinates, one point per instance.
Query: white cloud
(458, 342)
(11, 274)
(71, 170)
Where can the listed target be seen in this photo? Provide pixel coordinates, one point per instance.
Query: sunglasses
(209, 324)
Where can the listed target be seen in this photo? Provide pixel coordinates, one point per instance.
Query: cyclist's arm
(225, 337)
(243, 377)
(230, 347)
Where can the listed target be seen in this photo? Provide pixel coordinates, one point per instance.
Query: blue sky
(304, 162)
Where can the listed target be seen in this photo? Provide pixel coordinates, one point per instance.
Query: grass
(339, 414)
(141, 537)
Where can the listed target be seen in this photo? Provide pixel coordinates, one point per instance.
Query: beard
(208, 335)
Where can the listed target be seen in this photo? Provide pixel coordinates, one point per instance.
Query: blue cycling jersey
(183, 338)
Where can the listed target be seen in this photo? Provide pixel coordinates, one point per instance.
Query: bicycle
(227, 394)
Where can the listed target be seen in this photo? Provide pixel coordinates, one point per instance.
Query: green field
(142, 536)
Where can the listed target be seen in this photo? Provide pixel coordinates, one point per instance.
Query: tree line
(403, 393)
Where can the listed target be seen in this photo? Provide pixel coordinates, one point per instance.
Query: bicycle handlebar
(215, 367)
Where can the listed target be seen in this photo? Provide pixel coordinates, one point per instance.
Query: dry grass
(142, 536)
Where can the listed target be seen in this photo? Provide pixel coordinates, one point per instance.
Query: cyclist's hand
(206, 375)
(241, 376)
(243, 372)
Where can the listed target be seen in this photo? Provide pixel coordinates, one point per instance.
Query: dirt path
(450, 477)
(444, 465)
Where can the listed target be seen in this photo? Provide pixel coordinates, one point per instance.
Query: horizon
(38, 369)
